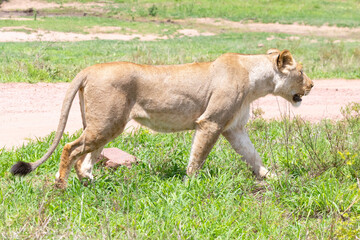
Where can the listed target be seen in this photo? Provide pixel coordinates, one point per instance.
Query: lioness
(211, 97)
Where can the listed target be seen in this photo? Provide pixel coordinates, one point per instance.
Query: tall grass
(59, 62)
(316, 194)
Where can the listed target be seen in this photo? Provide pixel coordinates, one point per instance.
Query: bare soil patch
(194, 33)
(21, 5)
(25, 34)
(32, 110)
(298, 29)
(9, 35)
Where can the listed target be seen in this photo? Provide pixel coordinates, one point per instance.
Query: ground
(28, 111)
(316, 193)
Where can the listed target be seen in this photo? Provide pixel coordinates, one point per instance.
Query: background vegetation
(316, 194)
(54, 62)
(333, 12)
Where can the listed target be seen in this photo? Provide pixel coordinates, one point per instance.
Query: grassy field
(54, 62)
(316, 195)
(313, 12)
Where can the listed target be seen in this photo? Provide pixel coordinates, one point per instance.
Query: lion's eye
(301, 72)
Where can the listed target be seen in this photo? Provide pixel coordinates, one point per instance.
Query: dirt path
(12, 5)
(32, 110)
(352, 34)
(9, 34)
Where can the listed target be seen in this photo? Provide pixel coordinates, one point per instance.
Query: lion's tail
(23, 168)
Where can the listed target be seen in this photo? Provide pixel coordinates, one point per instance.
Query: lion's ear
(272, 50)
(285, 60)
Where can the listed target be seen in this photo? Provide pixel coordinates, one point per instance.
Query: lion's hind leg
(89, 143)
(85, 164)
(71, 152)
(98, 132)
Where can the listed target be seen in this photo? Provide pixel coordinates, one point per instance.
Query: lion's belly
(165, 121)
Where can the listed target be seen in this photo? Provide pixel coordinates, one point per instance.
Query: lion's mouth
(297, 98)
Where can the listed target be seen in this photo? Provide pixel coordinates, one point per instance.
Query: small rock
(114, 157)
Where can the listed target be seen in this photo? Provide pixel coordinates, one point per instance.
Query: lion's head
(291, 82)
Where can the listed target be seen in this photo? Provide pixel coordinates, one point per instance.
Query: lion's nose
(311, 84)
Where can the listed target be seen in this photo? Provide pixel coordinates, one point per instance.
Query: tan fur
(212, 97)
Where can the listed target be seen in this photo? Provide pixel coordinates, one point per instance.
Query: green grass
(84, 25)
(61, 61)
(316, 195)
(313, 12)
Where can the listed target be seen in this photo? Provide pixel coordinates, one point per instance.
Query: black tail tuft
(21, 168)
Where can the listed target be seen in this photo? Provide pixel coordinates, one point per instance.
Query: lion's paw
(264, 173)
(60, 183)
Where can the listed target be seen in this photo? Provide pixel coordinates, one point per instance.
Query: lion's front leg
(204, 139)
(242, 144)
